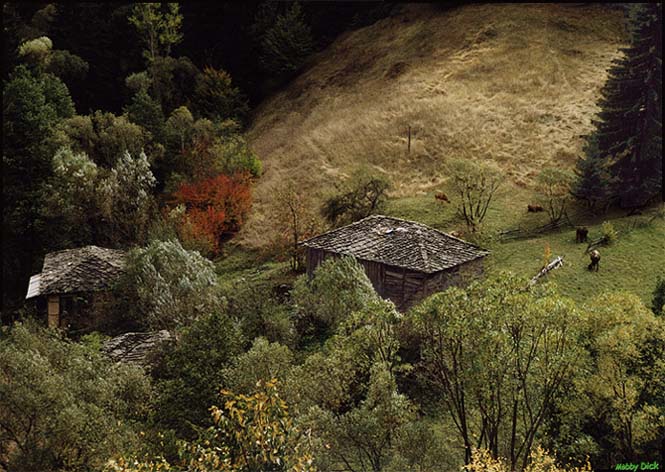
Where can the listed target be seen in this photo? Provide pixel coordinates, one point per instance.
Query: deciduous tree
(554, 191)
(475, 185)
(216, 207)
(165, 286)
(499, 355)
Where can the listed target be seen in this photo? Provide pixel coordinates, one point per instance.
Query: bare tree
(475, 184)
(296, 220)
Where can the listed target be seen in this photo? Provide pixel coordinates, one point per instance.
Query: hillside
(514, 83)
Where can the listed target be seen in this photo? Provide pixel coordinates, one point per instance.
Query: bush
(126, 199)
(540, 461)
(216, 98)
(260, 313)
(609, 234)
(233, 156)
(339, 287)
(554, 186)
(475, 184)
(263, 362)
(165, 286)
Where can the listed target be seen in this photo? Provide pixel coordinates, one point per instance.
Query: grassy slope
(631, 264)
(515, 83)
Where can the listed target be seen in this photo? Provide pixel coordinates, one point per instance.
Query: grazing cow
(442, 197)
(595, 260)
(534, 208)
(581, 235)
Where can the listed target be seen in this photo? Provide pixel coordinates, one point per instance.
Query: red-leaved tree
(215, 207)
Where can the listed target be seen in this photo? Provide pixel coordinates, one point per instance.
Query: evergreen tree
(32, 105)
(593, 180)
(287, 43)
(627, 142)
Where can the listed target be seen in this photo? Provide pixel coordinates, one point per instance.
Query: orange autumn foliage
(215, 207)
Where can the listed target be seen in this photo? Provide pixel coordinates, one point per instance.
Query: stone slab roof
(86, 269)
(135, 348)
(399, 243)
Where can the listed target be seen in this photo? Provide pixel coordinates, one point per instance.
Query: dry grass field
(512, 83)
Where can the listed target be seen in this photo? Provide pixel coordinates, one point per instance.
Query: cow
(442, 197)
(595, 260)
(581, 235)
(534, 208)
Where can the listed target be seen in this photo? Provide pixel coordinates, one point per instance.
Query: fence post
(409, 142)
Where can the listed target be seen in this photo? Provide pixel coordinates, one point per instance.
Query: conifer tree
(623, 159)
(287, 43)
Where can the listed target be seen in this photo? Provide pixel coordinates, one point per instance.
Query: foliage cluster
(166, 286)
(215, 208)
(63, 406)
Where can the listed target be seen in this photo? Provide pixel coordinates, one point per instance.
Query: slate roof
(399, 243)
(86, 269)
(135, 348)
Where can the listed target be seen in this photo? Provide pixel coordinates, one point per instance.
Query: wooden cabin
(405, 261)
(74, 285)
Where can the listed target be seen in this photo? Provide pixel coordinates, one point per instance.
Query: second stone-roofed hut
(405, 261)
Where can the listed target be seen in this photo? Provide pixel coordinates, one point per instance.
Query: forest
(332, 236)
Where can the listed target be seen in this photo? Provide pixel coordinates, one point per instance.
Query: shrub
(294, 220)
(554, 187)
(475, 185)
(260, 313)
(263, 362)
(609, 234)
(233, 155)
(126, 198)
(540, 461)
(339, 287)
(216, 98)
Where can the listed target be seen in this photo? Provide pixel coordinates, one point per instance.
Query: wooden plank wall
(404, 287)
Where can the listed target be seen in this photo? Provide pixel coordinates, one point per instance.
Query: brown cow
(442, 197)
(595, 260)
(534, 208)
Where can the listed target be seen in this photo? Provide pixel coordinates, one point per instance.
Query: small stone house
(74, 283)
(405, 261)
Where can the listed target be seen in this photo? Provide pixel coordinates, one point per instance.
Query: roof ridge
(338, 229)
